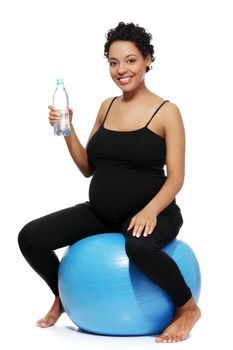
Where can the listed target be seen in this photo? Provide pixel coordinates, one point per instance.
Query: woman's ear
(148, 61)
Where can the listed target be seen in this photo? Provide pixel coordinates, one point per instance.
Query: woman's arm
(77, 151)
(175, 159)
(145, 221)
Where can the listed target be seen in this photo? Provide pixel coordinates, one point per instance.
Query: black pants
(39, 238)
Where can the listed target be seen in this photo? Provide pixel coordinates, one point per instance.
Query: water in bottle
(61, 103)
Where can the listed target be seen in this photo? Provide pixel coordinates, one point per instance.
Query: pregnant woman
(134, 136)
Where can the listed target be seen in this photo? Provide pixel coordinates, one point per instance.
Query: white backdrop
(41, 41)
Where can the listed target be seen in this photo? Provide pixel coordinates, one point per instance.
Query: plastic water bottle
(61, 103)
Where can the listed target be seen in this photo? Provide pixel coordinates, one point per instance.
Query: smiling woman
(134, 136)
(129, 54)
(134, 34)
(127, 65)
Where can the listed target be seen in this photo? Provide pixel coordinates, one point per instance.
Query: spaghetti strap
(108, 110)
(156, 112)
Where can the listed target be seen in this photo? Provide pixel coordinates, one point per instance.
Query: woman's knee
(138, 248)
(27, 239)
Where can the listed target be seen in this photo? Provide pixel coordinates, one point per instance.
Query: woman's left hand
(145, 220)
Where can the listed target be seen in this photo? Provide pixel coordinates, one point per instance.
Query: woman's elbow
(177, 179)
(89, 172)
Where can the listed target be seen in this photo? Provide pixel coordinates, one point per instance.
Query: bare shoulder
(100, 116)
(172, 111)
(106, 102)
(103, 108)
(172, 116)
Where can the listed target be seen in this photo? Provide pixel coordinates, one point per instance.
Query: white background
(41, 41)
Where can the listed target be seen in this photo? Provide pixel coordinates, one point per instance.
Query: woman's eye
(112, 64)
(132, 60)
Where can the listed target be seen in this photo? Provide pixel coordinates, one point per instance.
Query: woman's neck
(136, 94)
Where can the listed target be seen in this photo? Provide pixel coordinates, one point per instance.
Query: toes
(41, 323)
(158, 340)
(182, 337)
(176, 338)
(163, 338)
(46, 322)
(169, 338)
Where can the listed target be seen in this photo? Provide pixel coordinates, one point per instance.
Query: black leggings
(39, 238)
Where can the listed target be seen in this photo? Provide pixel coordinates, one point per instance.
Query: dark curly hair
(131, 32)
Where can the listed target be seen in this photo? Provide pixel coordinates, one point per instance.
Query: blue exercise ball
(103, 293)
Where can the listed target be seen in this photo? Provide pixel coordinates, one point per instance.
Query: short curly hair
(131, 32)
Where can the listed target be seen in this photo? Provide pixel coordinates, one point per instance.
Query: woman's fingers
(143, 223)
(52, 108)
(53, 119)
(138, 227)
(149, 229)
(131, 225)
(142, 227)
(53, 115)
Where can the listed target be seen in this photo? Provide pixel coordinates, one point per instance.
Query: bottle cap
(60, 81)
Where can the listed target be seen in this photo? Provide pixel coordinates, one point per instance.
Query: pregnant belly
(117, 195)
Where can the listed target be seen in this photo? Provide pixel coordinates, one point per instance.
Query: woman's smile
(125, 80)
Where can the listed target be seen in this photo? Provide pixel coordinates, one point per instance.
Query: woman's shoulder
(169, 108)
(107, 101)
(169, 116)
(171, 112)
(172, 107)
(158, 100)
(104, 107)
(172, 119)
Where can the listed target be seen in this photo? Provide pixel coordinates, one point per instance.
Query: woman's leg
(146, 254)
(39, 238)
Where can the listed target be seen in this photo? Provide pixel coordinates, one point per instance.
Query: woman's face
(127, 66)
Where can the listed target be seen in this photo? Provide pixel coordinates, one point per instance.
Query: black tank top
(128, 169)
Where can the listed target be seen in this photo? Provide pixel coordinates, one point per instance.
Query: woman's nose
(122, 69)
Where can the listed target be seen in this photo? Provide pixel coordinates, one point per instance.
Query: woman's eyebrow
(113, 58)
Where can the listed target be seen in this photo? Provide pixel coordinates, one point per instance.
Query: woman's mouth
(125, 80)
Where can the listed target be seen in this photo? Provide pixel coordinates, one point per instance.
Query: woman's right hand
(54, 116)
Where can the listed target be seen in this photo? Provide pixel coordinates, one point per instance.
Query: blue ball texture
(103, 293)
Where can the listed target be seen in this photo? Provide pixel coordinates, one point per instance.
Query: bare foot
(185, 318)
(52, 316)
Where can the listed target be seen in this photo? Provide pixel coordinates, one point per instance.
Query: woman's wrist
(153, 208)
